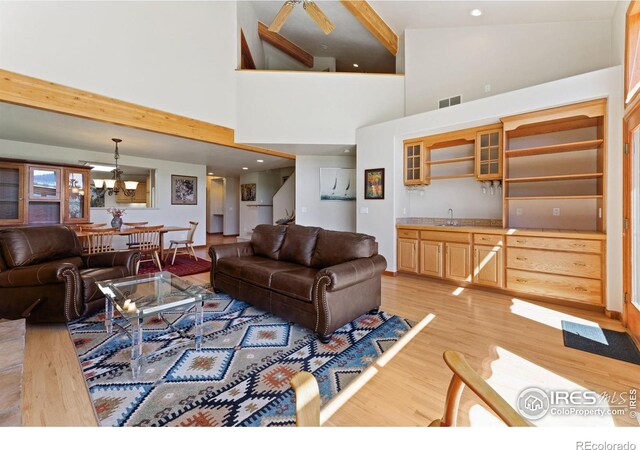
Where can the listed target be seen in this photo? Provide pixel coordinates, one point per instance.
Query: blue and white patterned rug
(239, 378)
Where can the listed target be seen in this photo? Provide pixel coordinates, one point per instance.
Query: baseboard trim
(388, 273)
(230, 235)
(616, 315)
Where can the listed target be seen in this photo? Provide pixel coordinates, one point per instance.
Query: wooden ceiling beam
(36, 93)
(285, 45)
(368, 17)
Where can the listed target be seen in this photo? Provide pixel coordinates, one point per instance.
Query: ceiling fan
(310, 7)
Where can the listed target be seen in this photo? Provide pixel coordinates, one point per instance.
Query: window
(632, 52)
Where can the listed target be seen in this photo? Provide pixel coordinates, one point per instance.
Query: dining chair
(99, 240)
(188, 244)
(131, 243)
(148, 243)
(90, 226)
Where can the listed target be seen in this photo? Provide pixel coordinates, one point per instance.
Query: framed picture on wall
(374, 184)
(184, 190)
(337, 184)
(97, 197)
(248, 192)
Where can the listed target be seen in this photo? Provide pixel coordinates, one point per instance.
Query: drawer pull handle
(521, 280)
(519, 258)
(579, 264)
(520, 241)
(580, 289)
(579, 245)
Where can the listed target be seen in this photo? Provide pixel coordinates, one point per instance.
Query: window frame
(631, 45)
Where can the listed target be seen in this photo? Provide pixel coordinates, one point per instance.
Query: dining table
(129, 231)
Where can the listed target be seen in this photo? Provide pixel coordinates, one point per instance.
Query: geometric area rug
(239, 378)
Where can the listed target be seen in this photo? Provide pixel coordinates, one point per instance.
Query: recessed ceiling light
(324, 47)
(210, 173)
(347, 150)
(355, 65)
(245, 168)
(260, 160)
(476, 12)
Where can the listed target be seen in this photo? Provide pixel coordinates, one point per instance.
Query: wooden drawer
(561, 263)
(446, 236)
(408, 234)
(575, 245)
(488, 239)
(557, 286)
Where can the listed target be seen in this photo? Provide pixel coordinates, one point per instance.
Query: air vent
(450, 101)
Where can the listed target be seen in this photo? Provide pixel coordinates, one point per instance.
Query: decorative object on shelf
(184, 190)
(116, 183)
(374, 184)
(117, 214)
(248, 192)
(337, 184)
(289, 218)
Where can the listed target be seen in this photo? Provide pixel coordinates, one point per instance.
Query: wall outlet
(556, 211)
(364, 210)
(404, 211)
(487, 88)
(303, 209)
(518, 211)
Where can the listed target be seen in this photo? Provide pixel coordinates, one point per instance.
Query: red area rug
(183, 266)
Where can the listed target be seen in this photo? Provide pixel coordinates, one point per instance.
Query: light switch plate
(556, 211)
(303, 209)
(518, 211)
(364, 210)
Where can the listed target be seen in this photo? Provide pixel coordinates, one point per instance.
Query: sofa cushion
(91, 276)
(299, 244)
(266, 240)
(261, 274)
(233, 266)
(337, 247)
(33, 245)
(295, 283)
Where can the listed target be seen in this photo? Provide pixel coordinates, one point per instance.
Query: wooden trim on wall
(36, 93)
(388, 273)
(285, 45)
(370, 19)
(632, 26)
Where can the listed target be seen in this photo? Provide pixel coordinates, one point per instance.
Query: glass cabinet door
(488, 155)
(11, 193)
(44, 183)
(413, 163)
(76, 194)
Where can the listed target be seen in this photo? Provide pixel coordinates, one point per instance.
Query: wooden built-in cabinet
(40, 193)
(413, 163)
(540, 265)
(488, 156)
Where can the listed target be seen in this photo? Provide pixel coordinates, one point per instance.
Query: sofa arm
(36, 275)
(353, 272)
(237, 250)
(127, 258)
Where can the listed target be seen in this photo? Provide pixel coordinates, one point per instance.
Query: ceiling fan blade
(318, 17)
(282, 16)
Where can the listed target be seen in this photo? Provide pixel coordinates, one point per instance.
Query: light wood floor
(512, 343)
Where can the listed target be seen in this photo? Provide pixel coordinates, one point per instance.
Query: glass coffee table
(141, 296)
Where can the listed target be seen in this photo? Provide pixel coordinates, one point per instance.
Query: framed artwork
(248, 192)
(374, 184)
(97, 198)
(337, 184)
(184, 190)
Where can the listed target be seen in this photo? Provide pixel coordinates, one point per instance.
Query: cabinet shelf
(450, 160)
(577, 176)
(558, 148)
(446, 177)
(557, 197)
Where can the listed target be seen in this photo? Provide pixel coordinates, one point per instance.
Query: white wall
(175, 56)
(267, 184)
(278, 60)
(284, 201)
(231, 221)
(381, 146)
(248, 22)
(310, 210)
(618, 32)
(215, 204)
(444, 62)
(164, 213)
(313, 108)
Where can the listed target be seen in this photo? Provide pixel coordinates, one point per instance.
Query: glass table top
(142, 295)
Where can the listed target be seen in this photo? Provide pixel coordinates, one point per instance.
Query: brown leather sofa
(44, 277)
(318, 278)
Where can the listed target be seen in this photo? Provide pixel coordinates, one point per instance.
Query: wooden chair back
(192, 230)
(147, 238)
(99, 240)
(307, 393)
(134, 224)
(464, 375)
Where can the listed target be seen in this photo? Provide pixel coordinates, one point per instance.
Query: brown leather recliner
(318, 278)
(44, 277)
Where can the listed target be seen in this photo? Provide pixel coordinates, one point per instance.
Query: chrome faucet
(451, 221)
